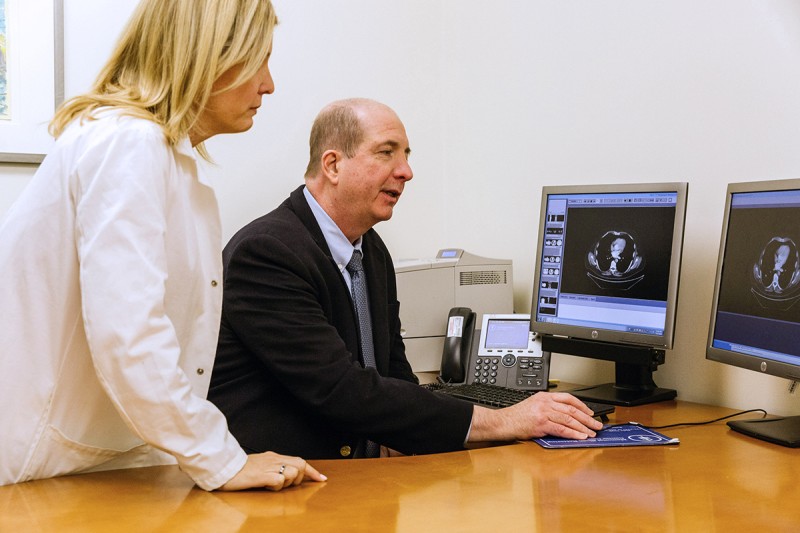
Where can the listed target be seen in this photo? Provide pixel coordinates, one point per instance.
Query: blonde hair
(168, 57)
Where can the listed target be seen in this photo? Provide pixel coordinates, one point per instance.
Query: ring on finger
(282, 469)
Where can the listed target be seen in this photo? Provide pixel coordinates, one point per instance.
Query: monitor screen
(755, 318)
(757, 314)
(608, 262)
(606, 279)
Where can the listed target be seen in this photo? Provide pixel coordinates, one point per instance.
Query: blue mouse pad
(613, 435)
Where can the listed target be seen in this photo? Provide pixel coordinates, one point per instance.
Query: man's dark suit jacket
(288, 375)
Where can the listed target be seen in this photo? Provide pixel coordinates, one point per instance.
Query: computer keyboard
(498, 397)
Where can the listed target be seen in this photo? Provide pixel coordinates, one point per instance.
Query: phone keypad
(485, 370)
(509, 370)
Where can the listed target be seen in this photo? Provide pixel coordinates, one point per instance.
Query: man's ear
(331, 160)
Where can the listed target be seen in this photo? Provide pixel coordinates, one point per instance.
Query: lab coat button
(200, 371)
(213, 283)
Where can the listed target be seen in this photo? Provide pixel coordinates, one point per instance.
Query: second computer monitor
(606, 279)
(755, 316)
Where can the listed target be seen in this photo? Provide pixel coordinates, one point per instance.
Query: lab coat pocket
(58, 455)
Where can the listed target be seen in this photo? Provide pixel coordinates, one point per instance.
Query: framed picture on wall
(31, 76)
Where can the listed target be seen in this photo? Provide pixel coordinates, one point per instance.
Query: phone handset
(457, 344)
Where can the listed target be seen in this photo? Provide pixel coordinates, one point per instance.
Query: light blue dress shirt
(341, 248)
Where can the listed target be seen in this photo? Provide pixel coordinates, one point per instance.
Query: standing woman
(110, 303)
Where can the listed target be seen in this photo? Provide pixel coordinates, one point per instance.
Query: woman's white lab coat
(109, 310)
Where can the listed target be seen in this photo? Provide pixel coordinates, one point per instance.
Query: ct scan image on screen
(623, 252)
(776, 274)
(759, 290)
(615, 261)
(606, 260)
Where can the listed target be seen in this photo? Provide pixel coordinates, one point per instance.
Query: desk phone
(507, 354)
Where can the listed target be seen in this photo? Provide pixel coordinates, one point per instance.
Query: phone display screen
(507, 334)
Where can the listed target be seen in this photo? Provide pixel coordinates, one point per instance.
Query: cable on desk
(708, 421)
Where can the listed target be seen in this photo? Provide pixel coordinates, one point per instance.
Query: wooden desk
(715, 480)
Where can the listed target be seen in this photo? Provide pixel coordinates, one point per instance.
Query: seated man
(299, 369)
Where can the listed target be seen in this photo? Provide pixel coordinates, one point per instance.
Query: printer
(428, 288)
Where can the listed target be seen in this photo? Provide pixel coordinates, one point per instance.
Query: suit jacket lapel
(375, 271)
(303, 212)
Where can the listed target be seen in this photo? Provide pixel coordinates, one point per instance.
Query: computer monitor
(606, 281)
(755, 315)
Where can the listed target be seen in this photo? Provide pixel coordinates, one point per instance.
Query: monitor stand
(784, 431)
(615, 395)
(634, 367)
(634, 385)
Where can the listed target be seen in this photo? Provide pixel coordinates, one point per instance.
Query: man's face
(371, 182)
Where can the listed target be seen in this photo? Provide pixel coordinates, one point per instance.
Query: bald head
(339, 127)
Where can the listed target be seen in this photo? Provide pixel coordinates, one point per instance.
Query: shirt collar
(184, 147)
(341, 249)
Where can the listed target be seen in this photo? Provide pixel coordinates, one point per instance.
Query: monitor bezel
(663, 341)
(748, 362)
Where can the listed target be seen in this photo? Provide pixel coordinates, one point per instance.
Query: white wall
(502, 98)
(625, 91)
(326, 50)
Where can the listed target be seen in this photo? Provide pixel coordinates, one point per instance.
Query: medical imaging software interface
(758, 311)
(606, 260)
